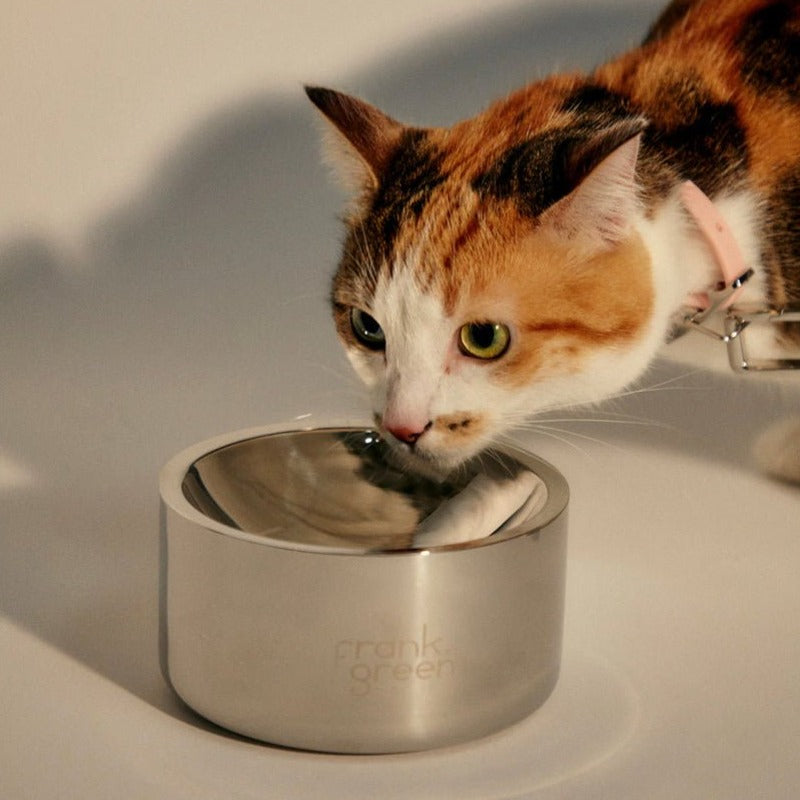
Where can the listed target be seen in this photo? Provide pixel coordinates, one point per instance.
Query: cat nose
(407, 433)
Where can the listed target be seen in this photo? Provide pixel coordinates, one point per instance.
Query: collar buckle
(737, 319)
(721, 298)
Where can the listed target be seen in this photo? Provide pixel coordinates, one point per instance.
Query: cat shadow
(199, 306)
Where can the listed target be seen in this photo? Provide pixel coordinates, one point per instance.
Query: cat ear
(364, 138)
(601, 206)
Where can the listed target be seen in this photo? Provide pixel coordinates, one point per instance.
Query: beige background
(93, 91)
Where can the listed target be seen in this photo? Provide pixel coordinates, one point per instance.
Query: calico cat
(535, 256)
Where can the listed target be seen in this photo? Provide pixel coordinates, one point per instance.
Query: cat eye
(367, 329)
(486, 340)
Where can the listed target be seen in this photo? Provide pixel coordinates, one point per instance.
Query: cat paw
(777, 450)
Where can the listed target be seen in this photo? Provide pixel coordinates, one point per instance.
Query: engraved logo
(373, 664)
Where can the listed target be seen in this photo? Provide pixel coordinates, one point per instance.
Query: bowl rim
(174, 471)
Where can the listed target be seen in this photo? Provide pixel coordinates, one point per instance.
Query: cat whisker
(512, 441)
(346, 376)
(644, 423)
(602, 416)
(495, 457)
(347, 385)
(539, 427)
(662, 386)
(624, 415)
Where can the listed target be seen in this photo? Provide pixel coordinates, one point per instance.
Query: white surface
(198, 307)
(679, 674)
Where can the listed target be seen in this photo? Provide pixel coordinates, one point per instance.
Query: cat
(535, 256)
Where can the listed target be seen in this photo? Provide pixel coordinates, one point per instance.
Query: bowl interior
(341, 487)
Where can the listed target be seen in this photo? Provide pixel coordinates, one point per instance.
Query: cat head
(489, 271)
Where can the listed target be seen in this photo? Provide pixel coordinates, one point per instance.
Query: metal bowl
(307, 600)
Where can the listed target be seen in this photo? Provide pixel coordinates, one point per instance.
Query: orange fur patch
(562, 306)
(460, 426)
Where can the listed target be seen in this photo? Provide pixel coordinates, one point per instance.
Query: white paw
(485, 506)
(777, 450)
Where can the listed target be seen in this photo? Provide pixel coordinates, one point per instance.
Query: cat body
(535, 256)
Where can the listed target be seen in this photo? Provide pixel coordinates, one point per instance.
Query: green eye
(486, 340)
(367, 329)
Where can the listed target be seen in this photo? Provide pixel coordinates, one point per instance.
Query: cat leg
(482, 508)
(777, 450)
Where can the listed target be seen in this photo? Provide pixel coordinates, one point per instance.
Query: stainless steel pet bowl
(297, 607)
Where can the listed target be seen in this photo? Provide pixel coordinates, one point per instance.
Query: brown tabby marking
(770, 45)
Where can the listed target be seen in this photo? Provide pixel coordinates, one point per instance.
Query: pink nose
(406, 433)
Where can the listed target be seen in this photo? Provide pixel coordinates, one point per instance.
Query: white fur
(681, 256)
(418, 337)
(486, 505)
(423, 375)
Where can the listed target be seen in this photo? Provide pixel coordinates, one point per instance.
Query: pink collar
(733, 274)
(722, 242)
